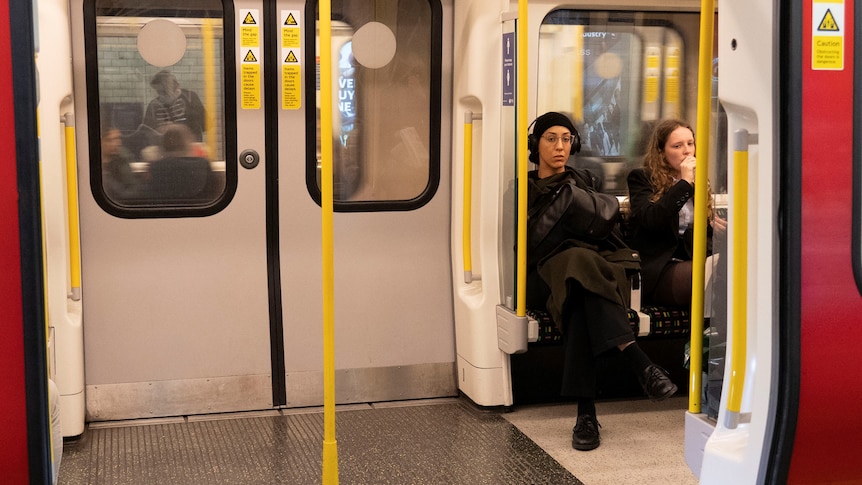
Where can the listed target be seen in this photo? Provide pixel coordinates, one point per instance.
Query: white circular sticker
(373, 45)
(161, 42)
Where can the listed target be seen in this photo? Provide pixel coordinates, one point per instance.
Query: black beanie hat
(550, 119)
(541, 125)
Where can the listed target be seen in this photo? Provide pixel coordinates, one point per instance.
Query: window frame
(312, 83)
(94, 121)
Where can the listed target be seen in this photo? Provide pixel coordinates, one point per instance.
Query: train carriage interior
(263, 230)
(634, 68)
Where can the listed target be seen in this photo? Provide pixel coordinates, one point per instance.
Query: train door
(199, 214)
(393, 305)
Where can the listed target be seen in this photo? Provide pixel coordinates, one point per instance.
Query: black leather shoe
(585, 435)
(657, 384)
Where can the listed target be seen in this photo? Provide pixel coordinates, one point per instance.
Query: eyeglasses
(552, 139)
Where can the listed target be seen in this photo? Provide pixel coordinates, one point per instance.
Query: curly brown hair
(660, 172)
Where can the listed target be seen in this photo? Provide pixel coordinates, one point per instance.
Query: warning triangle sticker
(249, 57)
(828, 23)
(249, 20)
(291, 57)
(290, 20)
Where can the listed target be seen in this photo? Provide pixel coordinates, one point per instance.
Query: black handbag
(569, 211)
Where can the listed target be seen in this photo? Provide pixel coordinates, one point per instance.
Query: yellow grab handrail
(330, 445)
(467, 218)
(698, 264)
(521, 26)
(739, 311)
(209, 86)
(68, 120)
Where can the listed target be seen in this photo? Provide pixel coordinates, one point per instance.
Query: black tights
(674, 285)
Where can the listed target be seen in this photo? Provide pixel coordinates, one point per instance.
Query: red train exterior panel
(827, 445)
(14, 461)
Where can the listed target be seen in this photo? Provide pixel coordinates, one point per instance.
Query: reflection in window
(385, 96)
(160, 102)
(615, 74)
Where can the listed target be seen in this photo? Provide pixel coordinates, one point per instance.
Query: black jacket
(600, 267)
(653, 227)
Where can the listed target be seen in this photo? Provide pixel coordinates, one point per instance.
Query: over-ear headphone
(533, 143)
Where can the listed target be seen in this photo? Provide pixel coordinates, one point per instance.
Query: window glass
(160, 82)
(615, 74)
(386, 103)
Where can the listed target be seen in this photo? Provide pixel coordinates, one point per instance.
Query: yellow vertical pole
(704, 95)
(210, 87)
(521, 127)
(330, 445)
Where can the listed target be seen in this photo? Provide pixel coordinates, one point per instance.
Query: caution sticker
(291, 79)
(651, 74)
(250, 79)
(290, 29)
(249, 28)
(827, 35)
(291, 65)
(249, 58)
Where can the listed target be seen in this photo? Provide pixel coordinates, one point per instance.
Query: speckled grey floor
(437, 442)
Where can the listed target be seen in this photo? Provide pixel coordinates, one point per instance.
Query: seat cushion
(665, 322)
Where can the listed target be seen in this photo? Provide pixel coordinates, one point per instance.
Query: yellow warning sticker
(291, 79)
(249, 28)
(291, 65)
(827, 35)
(672, 58)
(651, 89)
(671, 87)
(249, 58)
(250, 79)
(291, 33)
(291, 86)
(828, 24)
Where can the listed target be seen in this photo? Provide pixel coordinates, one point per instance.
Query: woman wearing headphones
(581, 279)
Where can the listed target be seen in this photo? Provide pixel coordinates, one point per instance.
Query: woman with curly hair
(661, 199)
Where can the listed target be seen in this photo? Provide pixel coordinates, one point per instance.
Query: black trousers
(593, 325)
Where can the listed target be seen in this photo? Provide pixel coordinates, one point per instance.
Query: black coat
(653, 227)
(187, 109)
(601, 268)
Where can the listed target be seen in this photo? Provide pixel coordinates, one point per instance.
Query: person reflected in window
(118, 180)
(583, 284)
(661, 198)
(180, 174)
(173, 104)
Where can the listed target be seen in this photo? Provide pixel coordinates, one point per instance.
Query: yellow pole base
(330, 462)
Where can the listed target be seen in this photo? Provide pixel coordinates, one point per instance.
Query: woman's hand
(719, 225)
(686, 169)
